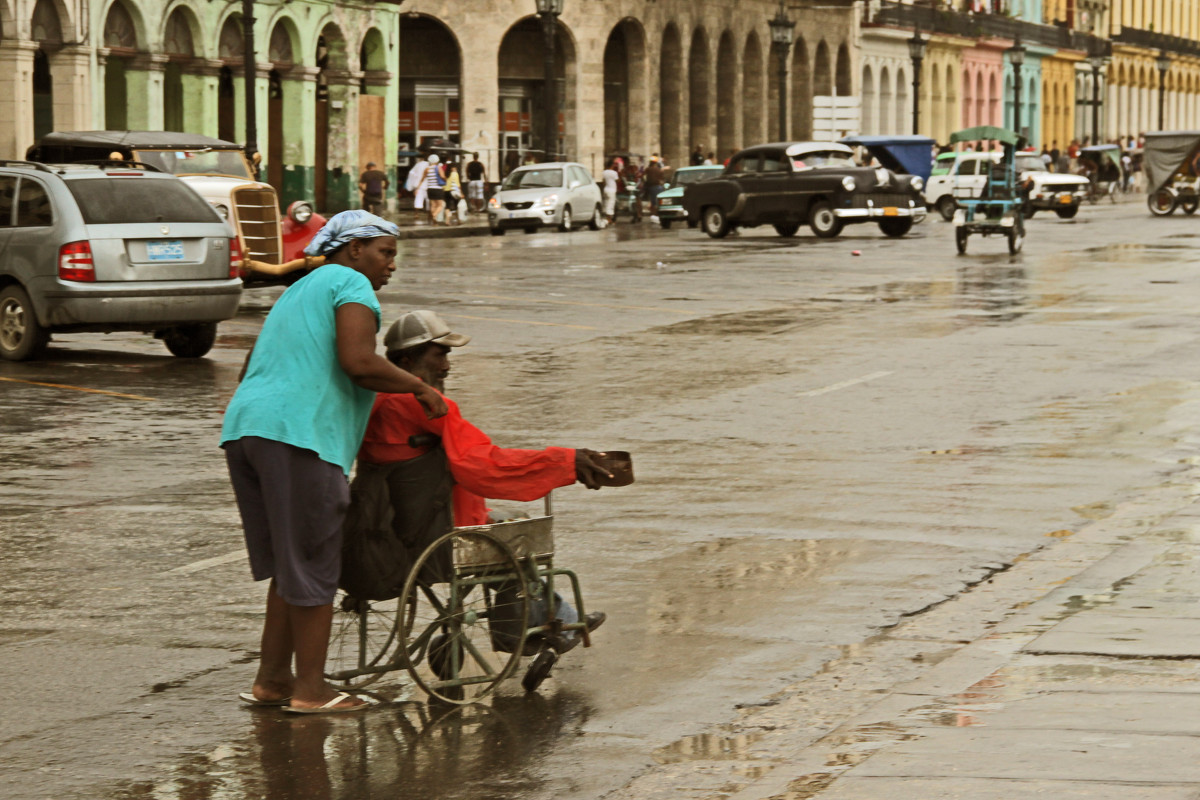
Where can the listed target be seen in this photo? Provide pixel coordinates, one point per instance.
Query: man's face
(375, 258)
(433, 366)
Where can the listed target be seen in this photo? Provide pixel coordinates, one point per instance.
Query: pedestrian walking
(454, 194)
(415, 183)
(373, 185)
(290, 436)
(611, 177)
(476, 184)
(653, 183)
(434, 183)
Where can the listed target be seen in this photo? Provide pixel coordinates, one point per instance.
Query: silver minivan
(111, 247)
(558, 193)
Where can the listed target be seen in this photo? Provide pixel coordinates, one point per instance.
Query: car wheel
(823, 221)
(896, 227)
(716, 224)
(566, 223)
(1189, 204)
(960, 240)
(21, 337)
(665, 224)
(1162, 203)
(497, 231)
(597, 220)
(1069, 212)
(787, 228)
(190, 341)
(946, 207)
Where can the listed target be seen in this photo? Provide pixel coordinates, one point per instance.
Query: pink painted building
(982, 90)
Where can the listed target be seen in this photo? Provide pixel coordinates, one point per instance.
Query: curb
(453, 232)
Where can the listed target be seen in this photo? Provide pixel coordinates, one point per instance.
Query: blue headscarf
(341, 228)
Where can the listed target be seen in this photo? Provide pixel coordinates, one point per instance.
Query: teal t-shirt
(294, 390)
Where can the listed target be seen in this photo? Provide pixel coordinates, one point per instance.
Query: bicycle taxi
(1172, 163)
(1104, 171)
(474, 602)
(998, 210)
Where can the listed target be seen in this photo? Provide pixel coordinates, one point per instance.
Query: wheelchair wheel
(364, 635)
(466, 632)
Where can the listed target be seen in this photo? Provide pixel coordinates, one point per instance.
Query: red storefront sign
(408, 122)
(431, 120)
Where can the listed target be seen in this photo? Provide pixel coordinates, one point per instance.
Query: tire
(895, 227)
(567, 222)
(1016, 239)
(960, 240)
(597, 220)
(822, 220)
(483, 627)
(946, 207)
(787, 229)
(1067, 213)
(364, 635)
(1162, 203)
(665, 224)
(190, 341)
(497, 231)
(21, 336)
(1188, 205)
(715, 223)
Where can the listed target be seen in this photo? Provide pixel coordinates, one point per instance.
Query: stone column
(202, 82)
(144, 92)
(70, 69)
(586, 124)
(16, 97)
(299, 145)
(479, 93)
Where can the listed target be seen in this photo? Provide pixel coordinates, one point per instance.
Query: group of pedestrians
(638, 183)
(442, 195)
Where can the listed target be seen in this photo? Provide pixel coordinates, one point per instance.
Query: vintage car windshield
(684, 177)
(1030, 164)
(822, 158)
(534, 179)
(197, 162)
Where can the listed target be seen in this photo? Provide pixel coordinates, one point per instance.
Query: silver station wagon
(109, 247)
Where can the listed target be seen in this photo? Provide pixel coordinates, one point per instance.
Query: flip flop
(331, 707)
(249, 699)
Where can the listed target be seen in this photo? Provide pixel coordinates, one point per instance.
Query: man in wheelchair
(398, 431)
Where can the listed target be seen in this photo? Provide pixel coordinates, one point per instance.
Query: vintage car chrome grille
(882, 199)
(518, 206)
(256, 213)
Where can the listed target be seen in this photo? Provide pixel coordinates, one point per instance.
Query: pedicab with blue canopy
(999, 208)
(904, 154)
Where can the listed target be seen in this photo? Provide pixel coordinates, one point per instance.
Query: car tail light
(236, 268)
(75, 262)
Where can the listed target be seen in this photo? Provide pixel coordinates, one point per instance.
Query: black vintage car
(788, 184)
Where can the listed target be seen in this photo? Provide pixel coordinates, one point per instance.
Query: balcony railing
(1158, 41)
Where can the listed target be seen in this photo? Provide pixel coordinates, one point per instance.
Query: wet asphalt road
(824, 443)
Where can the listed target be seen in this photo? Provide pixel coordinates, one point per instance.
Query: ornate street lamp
(782, 30)
(1163, 62)
(1016, 57)
(916, 51)
(549, 11)
(1097, 62)
(249, 59)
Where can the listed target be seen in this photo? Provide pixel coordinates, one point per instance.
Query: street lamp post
(249, 59)
(916, 51)
(1097, 62)
(782, 30)
(549, 11)
(1016, 57)
(1163, 62)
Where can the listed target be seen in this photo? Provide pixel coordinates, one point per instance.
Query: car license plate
(891, 211)
(1064, 199)
(511, 215)
(165, 250)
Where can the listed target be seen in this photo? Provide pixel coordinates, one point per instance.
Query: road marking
(216, 561)
(833, 387)
(82, 389)
(578, 303)
(522, 322)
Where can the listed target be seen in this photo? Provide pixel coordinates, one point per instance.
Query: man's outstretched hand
(587, 468)
(434, 403)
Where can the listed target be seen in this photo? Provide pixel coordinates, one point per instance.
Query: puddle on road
(709, 747)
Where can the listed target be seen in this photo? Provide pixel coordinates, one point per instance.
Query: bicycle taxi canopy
(906, 154)
(1169, 152)
(986, 133)
(1102, 154)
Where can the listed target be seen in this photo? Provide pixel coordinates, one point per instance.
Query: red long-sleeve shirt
(480, 469)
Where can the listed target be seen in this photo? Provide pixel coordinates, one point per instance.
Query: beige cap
(418, 327)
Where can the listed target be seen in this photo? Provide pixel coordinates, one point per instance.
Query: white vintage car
(216, 170)
(1050, 191)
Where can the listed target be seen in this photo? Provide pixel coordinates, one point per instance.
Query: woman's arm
(357, 357)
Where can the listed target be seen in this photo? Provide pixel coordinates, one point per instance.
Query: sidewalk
(1090, 690)
(412, 227)
(1072, 673)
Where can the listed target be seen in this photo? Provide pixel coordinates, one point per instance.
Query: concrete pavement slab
(856, 788)
(1104, 633)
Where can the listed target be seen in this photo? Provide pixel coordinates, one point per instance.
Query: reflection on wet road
(826, 446)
